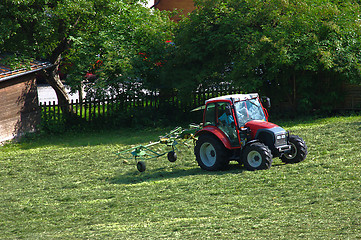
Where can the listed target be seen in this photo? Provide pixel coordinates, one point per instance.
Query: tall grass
(71, 186)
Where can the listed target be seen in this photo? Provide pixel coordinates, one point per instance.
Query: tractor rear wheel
(298, 150)
(211, 154)
(256, 156)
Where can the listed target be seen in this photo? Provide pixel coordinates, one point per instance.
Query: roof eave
(25, 73)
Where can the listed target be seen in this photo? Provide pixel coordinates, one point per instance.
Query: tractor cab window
(226, 123)
(249, 110)
(220, 115)
(210, 116)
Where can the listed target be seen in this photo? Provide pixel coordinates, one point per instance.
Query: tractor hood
(256, 126)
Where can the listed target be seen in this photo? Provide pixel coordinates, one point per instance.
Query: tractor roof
(234, 97)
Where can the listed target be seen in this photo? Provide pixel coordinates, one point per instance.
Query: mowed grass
(73, 187)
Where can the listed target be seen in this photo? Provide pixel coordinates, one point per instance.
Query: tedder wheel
(298, 151)
(256, 156)
(210, 153)
(141, 166)
(172, 156)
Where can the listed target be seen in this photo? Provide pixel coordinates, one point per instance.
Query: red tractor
(236, 127)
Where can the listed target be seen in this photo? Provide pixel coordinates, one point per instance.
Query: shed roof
(7, 73)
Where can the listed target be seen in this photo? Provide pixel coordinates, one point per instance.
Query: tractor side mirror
(266, 102)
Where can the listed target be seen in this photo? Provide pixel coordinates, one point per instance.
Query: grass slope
(73, 187)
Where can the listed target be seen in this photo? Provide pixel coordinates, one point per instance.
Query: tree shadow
(29, 112)
(120, 136)
(356, 125)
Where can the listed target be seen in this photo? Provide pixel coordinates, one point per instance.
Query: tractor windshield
(249, 110)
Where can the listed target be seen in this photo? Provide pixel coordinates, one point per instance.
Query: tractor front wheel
(211, 154)
(298, 150)
(172, 156)
(256, 156)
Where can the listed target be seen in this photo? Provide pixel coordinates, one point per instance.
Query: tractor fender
(250, 142)
(217, 133)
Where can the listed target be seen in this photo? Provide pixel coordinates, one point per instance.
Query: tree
(128, 48)
(78, 32)
(42, 29)
(299, 51)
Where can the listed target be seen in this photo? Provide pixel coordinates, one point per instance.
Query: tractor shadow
(164, 173)
(134, 177)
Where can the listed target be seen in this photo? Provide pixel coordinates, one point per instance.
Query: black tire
(256, 156)
(172, 156)
(298, 151)
(211, 154)
(141, 166)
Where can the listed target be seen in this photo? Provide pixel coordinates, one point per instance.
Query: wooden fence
(126, 103)
(352, 99)
(147, 102)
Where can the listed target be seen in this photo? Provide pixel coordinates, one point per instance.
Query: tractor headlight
(281, 139)
(282, 136)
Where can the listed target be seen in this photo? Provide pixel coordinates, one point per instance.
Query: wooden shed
(186, 6)
(19, 112)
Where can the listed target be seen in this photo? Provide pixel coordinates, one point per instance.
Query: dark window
(210, 115)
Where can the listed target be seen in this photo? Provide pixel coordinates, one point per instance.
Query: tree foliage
(120, 49)
(295, 51)
(78, 35)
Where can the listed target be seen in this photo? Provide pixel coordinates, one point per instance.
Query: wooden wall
(186, 5)
(19, 111)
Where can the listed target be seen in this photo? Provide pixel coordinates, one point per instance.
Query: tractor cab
(239, 124)
(229, 115)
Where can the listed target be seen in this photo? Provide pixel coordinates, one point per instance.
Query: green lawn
(72, 187)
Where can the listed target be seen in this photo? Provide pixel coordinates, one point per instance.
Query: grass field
(72, 187)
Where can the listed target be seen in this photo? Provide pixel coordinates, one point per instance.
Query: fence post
(90, 110)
